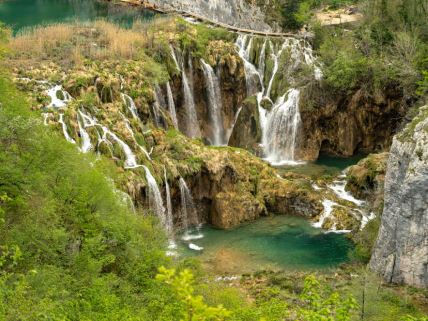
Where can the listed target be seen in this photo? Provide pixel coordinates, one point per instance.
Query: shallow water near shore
(20, 14)
(325, 165)
(276, 242)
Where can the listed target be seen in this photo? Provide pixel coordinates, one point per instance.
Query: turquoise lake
(28, 13)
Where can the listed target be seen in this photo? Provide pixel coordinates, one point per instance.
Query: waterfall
(57, 102)
(169, 221)
(129, 128)
(212, 86)
(86, 140)
(155, 198)
(156, 108)
(174, 57)
(64, 129)
(282, 124)
(275, 57)
(192, 124)
(262, 62)
(45, 118)
(131, 161)
(252, 76)
(171, 105)
(129, 102)
(188, 209)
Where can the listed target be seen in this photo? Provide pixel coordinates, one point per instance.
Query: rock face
(367, 178)
(231, 12)
(247, 132)
(347, 125)
(401, 251)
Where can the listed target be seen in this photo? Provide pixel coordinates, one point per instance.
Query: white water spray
(65, 130)
(281, 129)
(171, 105)
(212, 86)
(155, 197)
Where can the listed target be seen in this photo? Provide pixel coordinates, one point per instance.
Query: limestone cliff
(345, 125)
(401, 251)
(231, 12)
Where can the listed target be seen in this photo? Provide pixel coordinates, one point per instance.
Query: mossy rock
(367, 175)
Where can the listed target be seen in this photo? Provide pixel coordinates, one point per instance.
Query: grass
(73, 43)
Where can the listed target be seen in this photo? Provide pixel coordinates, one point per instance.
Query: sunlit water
(277, 242)
(28, 13)
(324, 166)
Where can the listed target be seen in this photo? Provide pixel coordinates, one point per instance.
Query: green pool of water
(277, 242)
(28, 13)
(325, 166)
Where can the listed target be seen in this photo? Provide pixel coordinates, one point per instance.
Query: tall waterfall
(171, 105)
(155, 197)
(212, 86)
(65, 130)
(169, 221)
(280, 132)
(279, 126)
(192, 123)
(188, 209)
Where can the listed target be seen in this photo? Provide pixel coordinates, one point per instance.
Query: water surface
(325, 165)
(277, 242)
(28, 13)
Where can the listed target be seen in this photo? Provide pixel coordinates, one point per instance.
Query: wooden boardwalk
(209, 21)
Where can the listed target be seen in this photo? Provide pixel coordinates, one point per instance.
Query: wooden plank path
(209, 21)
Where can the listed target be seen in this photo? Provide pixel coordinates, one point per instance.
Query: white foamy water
(192, 123)
(130, 158)
(129, 102)
(155, 197)
(338, 187)
(86, 145)
(282, 124)
(212, 85)
(57, 102)
(65, 130)
(195, 247)
(171, 105)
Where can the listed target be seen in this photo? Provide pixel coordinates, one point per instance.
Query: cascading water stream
(131, 160)
(86, 140)
(189, 216)
(280, 131)
(129, 102)
(280, 125)
(171, 105)
(58, 102)
(65, 130)
(174, 58)
(192, 123)
(155, 198)
(212, 86)
(169, 220)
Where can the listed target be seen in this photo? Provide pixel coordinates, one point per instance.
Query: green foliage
(69, 247)
(192, 307)
(364, 241)
(333, 308)
(195, 38)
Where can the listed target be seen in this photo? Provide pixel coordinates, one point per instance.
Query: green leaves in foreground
(192, 307)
